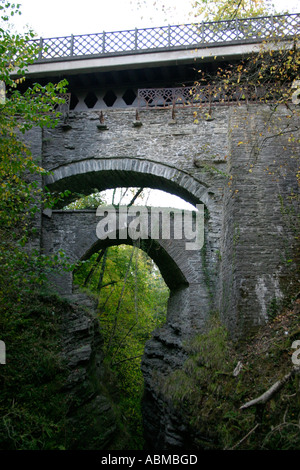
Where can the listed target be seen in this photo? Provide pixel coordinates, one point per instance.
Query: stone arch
(173, 273)
(110, 172)
(74, 232)
(189, 292)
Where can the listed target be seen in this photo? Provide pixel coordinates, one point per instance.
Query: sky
(65, 17)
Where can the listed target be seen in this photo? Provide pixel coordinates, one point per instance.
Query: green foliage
(204, 389)
(273, 309)
(32, 407)
(208, 396)
(91, 201)
(132, 299)
(21, 192)
(31, 410)
(218, 10)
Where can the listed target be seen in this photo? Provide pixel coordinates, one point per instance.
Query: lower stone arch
(171, 272)
(74, 233)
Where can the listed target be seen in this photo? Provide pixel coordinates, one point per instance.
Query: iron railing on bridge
(199, 95)
(168, 37)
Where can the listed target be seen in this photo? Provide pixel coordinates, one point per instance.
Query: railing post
(272, 24)
(236, 28)
(136, 39)
(202, 32)
(72, 45)
(41, 49)
(169, 36)
(103, 42)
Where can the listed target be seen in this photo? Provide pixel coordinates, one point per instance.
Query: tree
(30, 417)
(211, 10)
(21, 193)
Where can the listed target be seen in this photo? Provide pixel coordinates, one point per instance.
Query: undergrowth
(210, 389)
(32, 408)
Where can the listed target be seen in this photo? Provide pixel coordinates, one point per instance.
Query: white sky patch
(153, 197)
(66, 17)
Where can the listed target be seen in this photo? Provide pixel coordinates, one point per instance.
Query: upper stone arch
(106, 173)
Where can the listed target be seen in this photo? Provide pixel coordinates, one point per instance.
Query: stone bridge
(206, 162)
(222, 163)
(181, 265)
(237, 162)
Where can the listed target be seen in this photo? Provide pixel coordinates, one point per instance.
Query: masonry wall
(237, 164)
(259, 266)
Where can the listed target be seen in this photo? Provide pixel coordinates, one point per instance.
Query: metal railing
(199, 95)
(167, 37)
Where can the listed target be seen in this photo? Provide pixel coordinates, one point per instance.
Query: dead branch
(93, 268)
(245, 437)
(111, 283)
(103, 264)
(121, 342)
(127, 359)
(135, 196)
(120, 300)
(272, 390)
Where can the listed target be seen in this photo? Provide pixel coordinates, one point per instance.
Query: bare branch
(245, 437)
(93, 268)
(120, 301)
(135, 197)
(127, 359)
(272, 390)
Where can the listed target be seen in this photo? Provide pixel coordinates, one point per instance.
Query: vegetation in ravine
(33, 409)
(132, 300)
(212, 392)
(31, 412)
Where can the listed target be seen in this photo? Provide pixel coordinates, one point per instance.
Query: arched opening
(96, 175)
(182, 271)
(136, 285)
(131, 298)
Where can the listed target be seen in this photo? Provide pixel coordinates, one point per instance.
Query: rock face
(163, 354)
(91, 421)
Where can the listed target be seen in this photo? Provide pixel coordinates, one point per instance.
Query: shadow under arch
(82, 177)
(169, 269)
